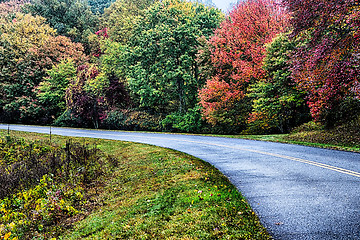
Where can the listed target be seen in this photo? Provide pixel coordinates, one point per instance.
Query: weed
(41, 185)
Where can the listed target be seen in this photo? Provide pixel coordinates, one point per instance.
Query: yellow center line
(321, 165)
(326, 166)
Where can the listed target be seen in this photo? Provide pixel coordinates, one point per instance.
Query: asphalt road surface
(298, 192)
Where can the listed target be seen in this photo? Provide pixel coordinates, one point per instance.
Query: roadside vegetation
(115, 190)
(345, 137)
(45, 187)
(342, 137)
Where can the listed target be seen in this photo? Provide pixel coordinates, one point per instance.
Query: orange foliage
(237, 53)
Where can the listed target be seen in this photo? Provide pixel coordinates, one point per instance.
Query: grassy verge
(345, 137)
(304, 138)
(157, 193)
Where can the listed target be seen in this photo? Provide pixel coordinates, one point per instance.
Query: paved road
(298, 192)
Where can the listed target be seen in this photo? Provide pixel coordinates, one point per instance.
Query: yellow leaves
(7, 235)
(4, 211)
(38, 207)
(97, 84)
(79, 195)
(12, 226)
(25, 31)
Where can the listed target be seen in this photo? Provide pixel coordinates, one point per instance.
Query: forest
(266, 66)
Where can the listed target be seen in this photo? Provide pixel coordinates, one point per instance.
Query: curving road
(298, 192)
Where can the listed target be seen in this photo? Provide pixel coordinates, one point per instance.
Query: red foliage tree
(237, 53)
(327, 66)
(218, 98)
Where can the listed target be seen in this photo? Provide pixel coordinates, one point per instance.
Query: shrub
(69, 119)
(309, 126)
(132, 120)
(190, 122)
(42, 185)
(346, 135)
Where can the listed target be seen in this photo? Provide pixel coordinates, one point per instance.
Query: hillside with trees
(268, 66)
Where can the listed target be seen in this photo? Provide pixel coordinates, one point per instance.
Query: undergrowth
(346, 136)
(44, 185)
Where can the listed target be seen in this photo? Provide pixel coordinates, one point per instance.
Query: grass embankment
(345, 137)
(153, 193)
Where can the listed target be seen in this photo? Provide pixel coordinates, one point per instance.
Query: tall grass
(43, 184)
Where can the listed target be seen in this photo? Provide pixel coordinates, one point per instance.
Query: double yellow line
(317, 164)
(326, 166)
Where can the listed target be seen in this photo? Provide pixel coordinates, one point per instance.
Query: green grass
(345, 137)
(304, 138)
(157, 193)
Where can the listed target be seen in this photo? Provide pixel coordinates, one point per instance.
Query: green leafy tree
(51, 91)
(163, 74)
(98, 6)
(277, 105)
(71, 18)
(121, 17)
(115, 58)
(207, 3)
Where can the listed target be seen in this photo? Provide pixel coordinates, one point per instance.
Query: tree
(11, 6)
(327, 65)
(93, 93)
(98, 6)
(163, 73)
(222, 104)
(208, 3)
(121, 17)
(83, 95)
(51, 91)
(277, 105)
(237, 53)
(29, 47)
(71, 18)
